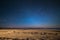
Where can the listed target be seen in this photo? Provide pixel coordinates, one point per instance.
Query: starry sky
(29, 13)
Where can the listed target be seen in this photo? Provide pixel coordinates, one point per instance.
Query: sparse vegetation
(29, 35)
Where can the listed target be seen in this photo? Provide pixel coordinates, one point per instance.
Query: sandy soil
(32, 34)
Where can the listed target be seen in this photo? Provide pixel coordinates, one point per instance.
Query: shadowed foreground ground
(29, 34)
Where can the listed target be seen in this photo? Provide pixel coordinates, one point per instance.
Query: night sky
(29, 13)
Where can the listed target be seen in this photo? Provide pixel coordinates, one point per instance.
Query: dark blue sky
(30, 13)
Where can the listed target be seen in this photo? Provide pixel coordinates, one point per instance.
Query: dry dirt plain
(29, 34)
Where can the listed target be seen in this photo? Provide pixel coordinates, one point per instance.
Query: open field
(29, 34)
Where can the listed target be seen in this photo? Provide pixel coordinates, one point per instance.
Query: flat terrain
(29, 34)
